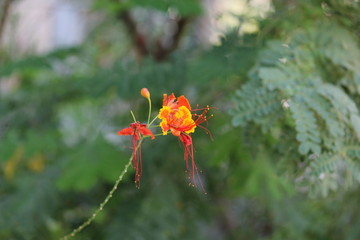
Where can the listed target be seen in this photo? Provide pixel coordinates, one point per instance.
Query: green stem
(154, 126)
(133, 116)
(153, 120)
(149, 100)
(108, 197)
(156, 135)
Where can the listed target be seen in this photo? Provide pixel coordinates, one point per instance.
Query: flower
(136, 130)
(145, 93)
(176, 120)
(177, 117)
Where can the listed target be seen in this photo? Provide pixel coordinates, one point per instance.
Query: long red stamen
(136, 156)
(201, 118)
(189, 153)
(136, 130)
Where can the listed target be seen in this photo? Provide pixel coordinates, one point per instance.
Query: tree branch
(164, 45)
(4, 16)
(138, 39)
(162, 52)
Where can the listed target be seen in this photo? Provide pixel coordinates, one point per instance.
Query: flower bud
(145, 93)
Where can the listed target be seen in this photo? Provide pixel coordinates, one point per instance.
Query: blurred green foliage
(284, 163)
(184, 8)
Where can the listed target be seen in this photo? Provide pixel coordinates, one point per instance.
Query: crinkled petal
(186, 139)
(183, 101)
(126, 131)
(175, 132)
(190, 125)
(164, 126)
(164, 112)
(146, 132)
(168, 100)
(183, 112)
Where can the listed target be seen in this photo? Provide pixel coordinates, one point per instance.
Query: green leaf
(91, 163)
(264, 182)
(184, 7)
(304, 148)
(355, 122)
(35, 62)
(274, 78)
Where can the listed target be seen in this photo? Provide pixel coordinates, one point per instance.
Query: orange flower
(136, 130)
(177, 118)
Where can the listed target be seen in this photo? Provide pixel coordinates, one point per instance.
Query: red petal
(135, 125)
(136, 136)
(146, 132)
(186, 139)
(168, 99)
(182, 101)
(126, 131)
(165, 99)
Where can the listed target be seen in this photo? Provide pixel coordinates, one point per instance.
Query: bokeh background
(283, 76)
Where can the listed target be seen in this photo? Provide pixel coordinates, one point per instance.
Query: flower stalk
(101, 206)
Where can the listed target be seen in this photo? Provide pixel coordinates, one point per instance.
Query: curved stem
(156, 135)
(101, 206)
(133, 116)
(153, 120)
(149, 100)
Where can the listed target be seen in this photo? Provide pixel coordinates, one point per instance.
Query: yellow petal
(189, 122)
(164, 112)
(164, 126)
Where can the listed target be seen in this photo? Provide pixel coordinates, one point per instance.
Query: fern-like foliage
(315, 77)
